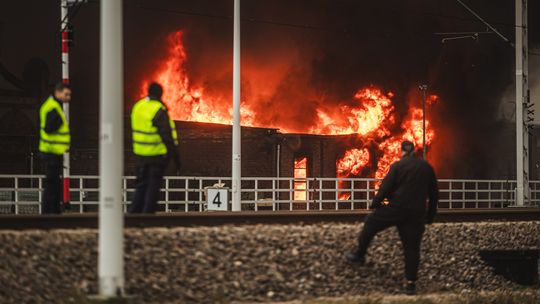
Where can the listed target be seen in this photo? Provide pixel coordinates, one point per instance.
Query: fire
(351, 164)
(414, 130)
(412, 127)
(391, 149)
(184, 101)
(300, 173)
(432, 99)
(370, 114)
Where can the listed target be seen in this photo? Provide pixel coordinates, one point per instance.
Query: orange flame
(391, 149)
(413, 131)
(184, 101)
(352, 163)
(372, 113)
(372, 116)
(300, 172)
(432, 99)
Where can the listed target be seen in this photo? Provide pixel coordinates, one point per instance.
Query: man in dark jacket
(155, 141)
(407, 185)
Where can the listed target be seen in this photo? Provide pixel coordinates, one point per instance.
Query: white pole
(522, 136)
(111, 222)
(65, 79)
(236, 136)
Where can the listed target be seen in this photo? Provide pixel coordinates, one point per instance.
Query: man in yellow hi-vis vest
(155, 141)
(54, 141)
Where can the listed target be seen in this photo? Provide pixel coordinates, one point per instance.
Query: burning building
(336, 84)
(362, 133)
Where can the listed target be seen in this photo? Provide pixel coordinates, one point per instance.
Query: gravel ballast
(252, 263)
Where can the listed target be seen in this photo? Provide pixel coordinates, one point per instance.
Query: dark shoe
(410, 288)
(355, 258)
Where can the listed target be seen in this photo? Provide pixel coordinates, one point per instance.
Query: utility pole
(65, 31)
(236, 135)
(423, 88)
(65, 79)
(522, 100)
(111, 149)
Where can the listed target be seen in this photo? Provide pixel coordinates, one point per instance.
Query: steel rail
(90, 220)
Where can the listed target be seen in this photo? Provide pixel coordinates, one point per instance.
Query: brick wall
(205, 150)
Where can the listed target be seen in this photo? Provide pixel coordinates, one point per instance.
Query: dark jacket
(53, 121)
(408, 184)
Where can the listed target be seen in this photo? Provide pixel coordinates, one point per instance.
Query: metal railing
(22, 194)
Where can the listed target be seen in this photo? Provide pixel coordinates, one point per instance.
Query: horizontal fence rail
(22, 194)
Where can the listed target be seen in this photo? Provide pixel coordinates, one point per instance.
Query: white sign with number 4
(218, 199)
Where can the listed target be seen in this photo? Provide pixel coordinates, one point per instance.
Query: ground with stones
(252, 263)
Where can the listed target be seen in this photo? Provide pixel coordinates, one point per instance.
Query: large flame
(184, 101)
(412, 127)
(371, 115)
(352, 163)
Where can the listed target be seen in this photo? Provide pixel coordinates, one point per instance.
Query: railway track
(90, 221)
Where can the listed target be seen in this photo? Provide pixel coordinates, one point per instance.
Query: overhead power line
(306, 26)
(485, 23)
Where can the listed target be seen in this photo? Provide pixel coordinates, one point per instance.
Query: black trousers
(52, 185)
(410, 225)
(149, 177)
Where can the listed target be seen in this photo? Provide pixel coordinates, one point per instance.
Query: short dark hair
(407, 146)
(155, 90)
(60, 86)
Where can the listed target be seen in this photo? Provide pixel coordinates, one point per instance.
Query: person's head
(62, 92)
(407, 148)
(155, 91)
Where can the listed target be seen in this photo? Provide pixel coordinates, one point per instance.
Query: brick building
(205, 149)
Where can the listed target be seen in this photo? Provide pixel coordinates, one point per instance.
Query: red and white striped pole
(65, 79)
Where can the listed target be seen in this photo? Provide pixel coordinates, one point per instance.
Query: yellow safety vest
(55, 142)
(146, 140)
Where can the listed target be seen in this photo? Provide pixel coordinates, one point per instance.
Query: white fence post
(16, 195)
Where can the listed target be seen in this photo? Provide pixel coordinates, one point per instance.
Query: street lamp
(423, 88)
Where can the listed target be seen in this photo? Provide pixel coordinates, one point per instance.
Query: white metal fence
(21, 194)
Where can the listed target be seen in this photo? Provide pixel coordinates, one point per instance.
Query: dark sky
(345, 44)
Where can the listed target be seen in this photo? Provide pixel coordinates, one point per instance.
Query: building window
(300, 181)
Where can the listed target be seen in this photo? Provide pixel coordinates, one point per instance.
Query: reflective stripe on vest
(56, 142)
(145, 137)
